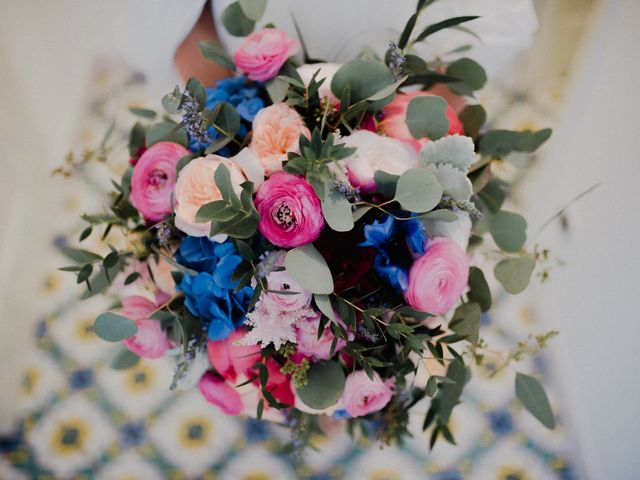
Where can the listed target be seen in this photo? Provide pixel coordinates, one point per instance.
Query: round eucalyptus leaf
(325, 385)
(426, 117)
(113, 327)
(309, 269)
(124, 359)
(514, 273)
(236, 22)
(364, 78)
(509, 230)
(418, 190)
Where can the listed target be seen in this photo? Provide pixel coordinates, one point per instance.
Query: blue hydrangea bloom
(247, 97)
(397, 244)
(210, 294)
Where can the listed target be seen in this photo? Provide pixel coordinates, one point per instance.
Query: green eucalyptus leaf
(499, 143)
(124, 359)
(217, 210)
(473, 118)
(171, 101)
(471, 74)
(532, 395)
(112, 327)
(143, 112)
(479, 291)
(309, 269)
(212, 50)
(386, 183)
(418, 190)
(224, 118)
(361, 79)
(197, 91)
(236, 21)
(426, 117)
(514, 273)
(323, 302)
(166, 132)
(337, 210)
(136, 139)
(253, 9)
(509, 231)
(277, 89)
(325, 385)
(79, 255)
(466, 321)
(241, 226)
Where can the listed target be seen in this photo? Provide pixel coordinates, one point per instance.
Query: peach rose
(196, 187)
(276, 131)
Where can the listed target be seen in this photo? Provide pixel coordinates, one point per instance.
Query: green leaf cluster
(234, 216)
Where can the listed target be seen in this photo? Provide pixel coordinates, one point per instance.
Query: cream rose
(276, 131)
(196, 187)
(375, 152)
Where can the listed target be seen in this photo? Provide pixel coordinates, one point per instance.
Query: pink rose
(310, 345)
(282, 281)
(263, 53)
(276, 131)
(375, 152)
(438, 278)
(290, 211)
(150, 341)
(196, 187)
(362, 395)
(279, 384)
(230, 360)
(154, 177)
(394, 118)
(216, 391)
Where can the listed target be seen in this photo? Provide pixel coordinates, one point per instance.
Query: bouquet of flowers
(308, 239)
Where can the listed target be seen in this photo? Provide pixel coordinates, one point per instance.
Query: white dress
(334, 30)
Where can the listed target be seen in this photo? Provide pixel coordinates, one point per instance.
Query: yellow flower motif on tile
(84, 330)
(70, 436)
(195, 432)
(257, 475)
(30, 380)
(384, 474)
(140, 378)
(507, 472)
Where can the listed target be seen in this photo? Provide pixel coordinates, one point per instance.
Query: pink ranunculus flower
(376, 152)
(276, 131)
(150, 341)
(219, 393)
(362, 395)
(394, 120)
(263, 53)
(280, 280)
(230, 360)
(153, 179)
(290, 211)
(196, 187)
(310, 345)
(438, 278)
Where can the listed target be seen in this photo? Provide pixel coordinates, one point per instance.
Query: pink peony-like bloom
(230, 360)
(263, 53)
(290, 211)
(276, 131)
(394, 118)
(438, 278)
(310, 345)
(375, 152)
(217, 392)
(280, 280)
(362, 395)
(150, 341)
(196, 187)
(153, 179)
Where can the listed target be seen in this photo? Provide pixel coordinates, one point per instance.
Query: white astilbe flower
(274, 326)
(455, 150)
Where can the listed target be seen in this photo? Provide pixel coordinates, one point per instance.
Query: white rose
(375, 152)
(327, 71)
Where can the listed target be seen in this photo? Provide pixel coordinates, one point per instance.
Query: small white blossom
(274, 326)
